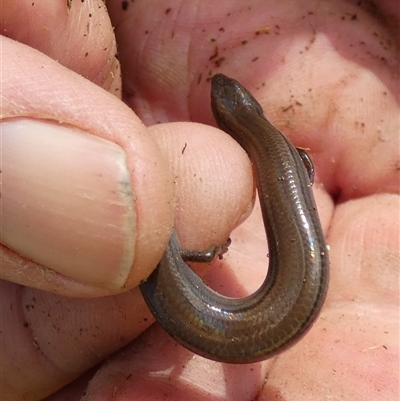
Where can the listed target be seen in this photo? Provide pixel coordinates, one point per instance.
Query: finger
(77, 34)
(185, 376)
(78, 213)
(213, 179)
(59, 338)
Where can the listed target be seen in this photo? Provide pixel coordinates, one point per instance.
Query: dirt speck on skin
(125, 5)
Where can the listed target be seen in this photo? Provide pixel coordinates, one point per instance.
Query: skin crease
(327, 78)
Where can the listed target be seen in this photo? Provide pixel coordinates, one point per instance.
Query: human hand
(88, 215)
(351, 193)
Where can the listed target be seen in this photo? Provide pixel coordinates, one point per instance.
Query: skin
(328, 80)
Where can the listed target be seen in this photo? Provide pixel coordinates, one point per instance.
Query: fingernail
(67, 201)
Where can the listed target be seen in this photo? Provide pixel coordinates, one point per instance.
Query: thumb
(74, 191)
(78, 218)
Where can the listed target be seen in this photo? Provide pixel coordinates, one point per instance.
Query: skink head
(228, 97)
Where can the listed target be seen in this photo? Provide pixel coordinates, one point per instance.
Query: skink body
(276, 316)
